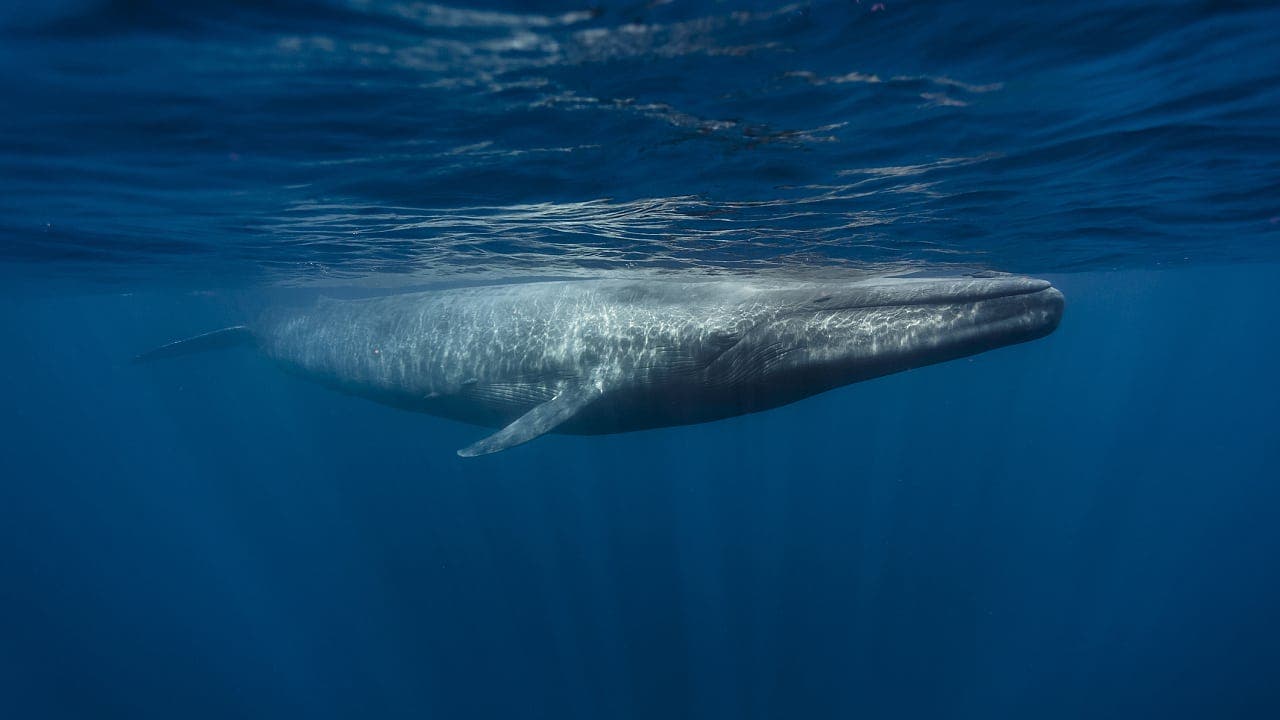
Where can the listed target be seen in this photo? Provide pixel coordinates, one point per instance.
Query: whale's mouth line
(1046, 294)
(967, 299)
(938, 300)
(1014, 293)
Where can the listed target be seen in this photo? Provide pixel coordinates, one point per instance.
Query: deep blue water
(1082, 526)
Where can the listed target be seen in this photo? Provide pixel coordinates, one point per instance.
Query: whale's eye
(822, 299)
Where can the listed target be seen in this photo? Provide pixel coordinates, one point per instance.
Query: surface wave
(292, 143)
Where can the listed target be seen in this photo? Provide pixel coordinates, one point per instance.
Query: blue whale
(613, 355)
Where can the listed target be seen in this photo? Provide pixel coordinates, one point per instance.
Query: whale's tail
(234, 336)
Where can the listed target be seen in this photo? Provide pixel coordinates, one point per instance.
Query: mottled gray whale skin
(609, 356)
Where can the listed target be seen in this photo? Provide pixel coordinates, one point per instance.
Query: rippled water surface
(394, 142)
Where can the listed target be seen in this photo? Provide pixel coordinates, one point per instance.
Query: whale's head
(829, 334)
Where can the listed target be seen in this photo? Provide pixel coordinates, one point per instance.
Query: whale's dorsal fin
(540, 420)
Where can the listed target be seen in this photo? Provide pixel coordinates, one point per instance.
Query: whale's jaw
(860, 333)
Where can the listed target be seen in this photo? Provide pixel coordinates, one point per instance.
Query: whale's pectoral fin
(538, 421)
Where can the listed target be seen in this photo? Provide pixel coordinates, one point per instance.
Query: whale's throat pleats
(511, 397)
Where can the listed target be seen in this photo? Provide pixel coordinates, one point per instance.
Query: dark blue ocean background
(1086, 526)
